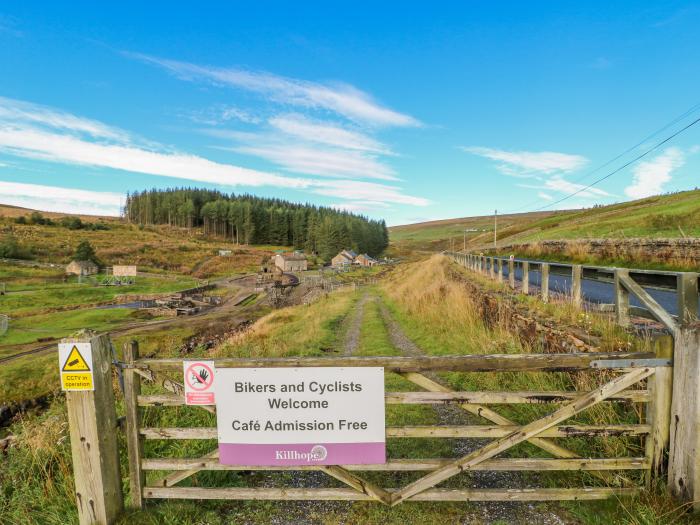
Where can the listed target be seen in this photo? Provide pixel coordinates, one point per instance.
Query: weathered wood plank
(536, 428)
(134, 441)
(496, 464)
(460, 363)
(622, 298)
(176, 477)
(427, 398)
(648, 301)
(427, 431)
(659, 409)
(343, 494)
(360, 485)
(92, 420)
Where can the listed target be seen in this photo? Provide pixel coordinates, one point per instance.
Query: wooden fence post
(492, 268)
(134, 441)
(499, 270)
(511, 273)
(92, 419)
(544, 281)
(576, 271)
(658, 410)
(622, 299)
(526, 277)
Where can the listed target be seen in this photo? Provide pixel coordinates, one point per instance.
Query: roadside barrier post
(544, 281)
(526, 277)
(92, 419)
(499, 270)
(511, 273)
(576, 271)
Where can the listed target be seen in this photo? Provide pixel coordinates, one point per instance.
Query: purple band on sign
(251, 454)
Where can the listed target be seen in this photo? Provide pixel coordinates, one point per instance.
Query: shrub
(11, 249)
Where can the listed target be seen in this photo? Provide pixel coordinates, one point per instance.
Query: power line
(638, 157)
(677, 119)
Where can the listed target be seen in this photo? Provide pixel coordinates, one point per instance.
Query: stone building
(343, 259)
(81, 268)
(290, 262)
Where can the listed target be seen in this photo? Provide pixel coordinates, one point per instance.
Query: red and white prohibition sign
(199, 382)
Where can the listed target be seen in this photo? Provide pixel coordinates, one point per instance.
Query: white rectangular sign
(300, 416)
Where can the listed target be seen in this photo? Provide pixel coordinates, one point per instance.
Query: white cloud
(67, 200)
(342, 99)
(557, 183)
(329, 162)
(545, 196)
(221, 114)
(527, 163)
(36, 132)
(361, 206)
(367, 191)
(326, 133)
(650, 176)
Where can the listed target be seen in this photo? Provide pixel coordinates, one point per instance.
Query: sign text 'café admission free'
(300, 416)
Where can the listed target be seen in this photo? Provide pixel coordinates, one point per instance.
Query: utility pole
(495, 229)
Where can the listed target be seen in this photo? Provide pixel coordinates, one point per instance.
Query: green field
(664, 216)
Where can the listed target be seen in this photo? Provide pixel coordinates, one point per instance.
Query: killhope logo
(317, 453)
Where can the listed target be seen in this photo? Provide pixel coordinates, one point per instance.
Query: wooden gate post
(658, 409)
(134, 441)
(684, 453)
(92, 419)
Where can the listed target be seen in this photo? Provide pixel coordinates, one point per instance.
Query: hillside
(665, 216)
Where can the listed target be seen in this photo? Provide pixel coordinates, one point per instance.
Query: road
(596, 292)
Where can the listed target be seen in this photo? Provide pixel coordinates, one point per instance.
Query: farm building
(365, 260)
(344, 258)
(290, 262)
(81, 268)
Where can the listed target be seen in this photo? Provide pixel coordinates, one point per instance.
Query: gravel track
(491, 512)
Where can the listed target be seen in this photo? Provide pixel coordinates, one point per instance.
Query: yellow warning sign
(75, 362)
(76, 381)
(75, 366)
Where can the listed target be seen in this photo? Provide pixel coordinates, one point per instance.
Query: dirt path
(352, 336)
(500, 512)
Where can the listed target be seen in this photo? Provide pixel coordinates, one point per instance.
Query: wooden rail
(460, 363)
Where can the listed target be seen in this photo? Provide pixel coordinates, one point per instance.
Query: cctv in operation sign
(300, 416)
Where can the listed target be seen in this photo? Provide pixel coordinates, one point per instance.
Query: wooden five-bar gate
(635, 379)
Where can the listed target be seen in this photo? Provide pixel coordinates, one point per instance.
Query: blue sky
(398, 110)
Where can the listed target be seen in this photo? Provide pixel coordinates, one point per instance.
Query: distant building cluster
(348, 258)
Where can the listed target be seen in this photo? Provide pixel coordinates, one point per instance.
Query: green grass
(668, 216)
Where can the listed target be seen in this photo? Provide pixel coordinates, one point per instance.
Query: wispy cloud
(339, 98)
(37, 132)
(54, 198)
(326, 133)
(650, 176)
(361, 206)
(529, 163)
(545, 196)
(222, 114)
